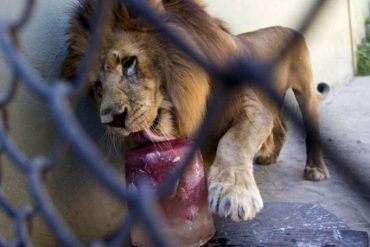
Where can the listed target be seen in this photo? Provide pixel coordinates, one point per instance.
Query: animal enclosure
(59, 96)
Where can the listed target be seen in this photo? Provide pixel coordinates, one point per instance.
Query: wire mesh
(58, 95)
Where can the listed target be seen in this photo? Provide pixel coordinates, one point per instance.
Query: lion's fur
(189, 86)
(183, 88)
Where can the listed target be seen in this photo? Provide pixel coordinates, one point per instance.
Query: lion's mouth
(156, 120)
(149, 136)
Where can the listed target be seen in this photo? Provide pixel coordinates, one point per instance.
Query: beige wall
(84, 205)
(329, 39)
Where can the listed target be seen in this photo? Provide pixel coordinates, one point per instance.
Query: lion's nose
(115, 119)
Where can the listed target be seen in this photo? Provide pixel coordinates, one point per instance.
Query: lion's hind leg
(315, 166)
(271, 148)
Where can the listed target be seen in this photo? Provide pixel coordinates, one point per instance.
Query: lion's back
(268, 42)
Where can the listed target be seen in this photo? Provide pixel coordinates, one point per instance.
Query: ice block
(185, 211)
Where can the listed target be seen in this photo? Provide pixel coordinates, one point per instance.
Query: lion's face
(141, 80)
(130, 92)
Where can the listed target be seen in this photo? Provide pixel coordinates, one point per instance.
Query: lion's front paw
(233, 193)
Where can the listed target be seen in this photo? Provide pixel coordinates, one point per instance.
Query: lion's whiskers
(166, 144)
(156, 145)
(106, 139)
(114, 143)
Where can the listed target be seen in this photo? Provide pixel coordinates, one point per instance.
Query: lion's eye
(129, 66)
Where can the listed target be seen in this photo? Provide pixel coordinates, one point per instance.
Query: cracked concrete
(345, 121)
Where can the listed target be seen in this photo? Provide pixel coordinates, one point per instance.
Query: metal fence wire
(58, 96)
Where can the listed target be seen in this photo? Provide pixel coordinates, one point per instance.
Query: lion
(143, 82)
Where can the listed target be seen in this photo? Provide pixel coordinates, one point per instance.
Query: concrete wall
(336, 31)
(83, 204)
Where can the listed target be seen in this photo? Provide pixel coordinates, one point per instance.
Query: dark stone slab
(288, 216)
(290, 238)
(288, 225)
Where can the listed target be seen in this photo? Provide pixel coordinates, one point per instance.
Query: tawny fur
(169, 83)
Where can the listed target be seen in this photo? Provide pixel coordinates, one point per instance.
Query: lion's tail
(323, 90)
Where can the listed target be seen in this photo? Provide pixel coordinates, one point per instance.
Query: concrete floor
(345, 123)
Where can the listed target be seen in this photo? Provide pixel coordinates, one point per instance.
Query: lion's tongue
(147, 135)
(150, 135)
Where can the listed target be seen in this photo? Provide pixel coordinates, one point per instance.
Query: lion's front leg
(232, 189)
(233, 193)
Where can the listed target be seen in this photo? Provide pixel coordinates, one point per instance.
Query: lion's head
(140, 80)
(130, 89)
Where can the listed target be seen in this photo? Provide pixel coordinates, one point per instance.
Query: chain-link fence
(58, 97)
